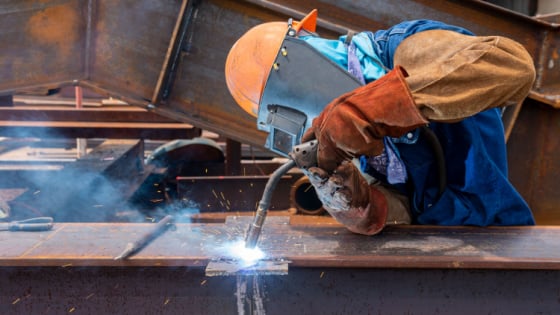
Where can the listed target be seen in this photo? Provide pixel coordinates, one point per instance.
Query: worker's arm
(355, 123)
(349, 199)
(452, 76)
(447, 76)
(362, 208)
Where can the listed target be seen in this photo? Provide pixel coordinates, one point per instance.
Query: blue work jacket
(478, 191)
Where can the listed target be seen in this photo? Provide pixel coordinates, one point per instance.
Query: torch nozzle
(252, 237)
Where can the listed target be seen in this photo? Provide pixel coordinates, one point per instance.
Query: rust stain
(57, 25)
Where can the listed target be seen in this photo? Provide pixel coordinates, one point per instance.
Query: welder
(413, 84)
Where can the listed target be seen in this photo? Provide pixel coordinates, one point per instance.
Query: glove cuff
(389, 104)
(368, 220)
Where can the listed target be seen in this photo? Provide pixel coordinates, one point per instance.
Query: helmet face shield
(300, 84)
(283, 81)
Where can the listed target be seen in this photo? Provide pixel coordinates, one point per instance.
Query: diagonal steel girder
(168, 56)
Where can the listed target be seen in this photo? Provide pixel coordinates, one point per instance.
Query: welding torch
(303, 156)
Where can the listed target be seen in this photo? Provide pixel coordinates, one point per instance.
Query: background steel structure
(167, 57)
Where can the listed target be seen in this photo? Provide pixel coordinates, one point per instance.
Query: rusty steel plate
(303, 245)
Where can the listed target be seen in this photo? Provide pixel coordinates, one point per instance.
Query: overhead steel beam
(59, 113)
(125, 122)
(128, 50)
(111, 130)
(142, 51)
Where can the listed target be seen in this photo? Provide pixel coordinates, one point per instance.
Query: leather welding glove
(349, 199)
(355, 123)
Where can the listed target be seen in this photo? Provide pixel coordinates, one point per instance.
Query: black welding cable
(255, 228)
(438, 155)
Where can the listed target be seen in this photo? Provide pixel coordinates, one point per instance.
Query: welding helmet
(250, 59)
(283, 81)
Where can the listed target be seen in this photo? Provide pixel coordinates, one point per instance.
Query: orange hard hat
(250, 59)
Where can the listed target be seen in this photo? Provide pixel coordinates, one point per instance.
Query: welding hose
(255, 228)
(439, 157)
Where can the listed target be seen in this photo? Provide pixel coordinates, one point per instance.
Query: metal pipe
(304, 198)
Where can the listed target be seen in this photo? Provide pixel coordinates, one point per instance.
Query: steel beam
(304, 243)
(186, 290)
(107, 130)
(142, 52)
(60, 113)
(124, 122)
(408, 269)
(533, 158)
(233, 193)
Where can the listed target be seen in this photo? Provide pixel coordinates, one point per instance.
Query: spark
(247, 255)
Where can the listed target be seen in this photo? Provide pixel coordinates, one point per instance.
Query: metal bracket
(231, 267)
(228, 266)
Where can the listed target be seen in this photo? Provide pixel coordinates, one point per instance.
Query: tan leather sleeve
(454, 76)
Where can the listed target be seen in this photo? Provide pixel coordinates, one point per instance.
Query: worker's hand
(344, 189)
(355, 123)
(349, 199)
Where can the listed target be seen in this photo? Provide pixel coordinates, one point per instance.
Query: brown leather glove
(356, 122)
(349, 199)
